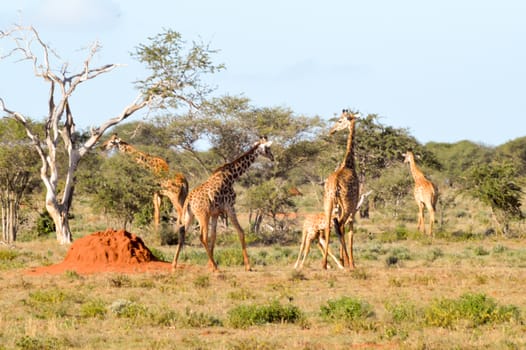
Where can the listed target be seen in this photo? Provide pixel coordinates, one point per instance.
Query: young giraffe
(425, 192)
(341, 192)
(216, 196)
(313, 226)
(175, 188)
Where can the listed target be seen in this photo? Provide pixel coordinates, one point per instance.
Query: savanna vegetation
(462, 288)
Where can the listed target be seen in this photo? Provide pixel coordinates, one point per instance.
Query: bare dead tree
(59, 122)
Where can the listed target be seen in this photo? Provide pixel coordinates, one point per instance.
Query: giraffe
(341, 192)
(215, 197)
(313, 225)
(425, 192)
(175, 187)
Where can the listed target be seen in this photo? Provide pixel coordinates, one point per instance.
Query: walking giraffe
(425, 192)
(216, 196)
(341, 192)
(174, 187)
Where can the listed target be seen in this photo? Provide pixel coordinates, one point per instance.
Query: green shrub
(38, 343)
(7, 255)
(8, 259)
(128, 309)
(244, 316)
(229, 256)
(93, 309)
(350, 311)
(45, 226)
(477, 309)
(159, 255)
(402, 253)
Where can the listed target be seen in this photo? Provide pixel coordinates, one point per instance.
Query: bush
(244, 316)
(350, 311)
(477, 309)
(93, 309)
(45, 225)
(128, 309)
(229, 256)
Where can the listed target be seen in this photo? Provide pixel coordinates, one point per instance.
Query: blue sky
(447, 70)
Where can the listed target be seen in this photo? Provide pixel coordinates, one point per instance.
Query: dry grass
(190, 308)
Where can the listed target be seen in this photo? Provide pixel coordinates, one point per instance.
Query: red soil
(108, 251)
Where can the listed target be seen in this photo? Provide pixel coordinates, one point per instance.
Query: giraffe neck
(348, 158)
(415, 171)
(156, 165)
(237, 167)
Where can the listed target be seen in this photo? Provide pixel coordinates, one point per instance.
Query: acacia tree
(495, 185)
(175, 73)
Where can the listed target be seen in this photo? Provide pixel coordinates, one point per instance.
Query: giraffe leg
(321, 245)
(340, 231)
(308, 242)
(431, 219)
(233, 217)
(351, 240)
(328, 215)
(156, 211)
(421, 226)
(203, 225)
(302, 248)
(213, 234)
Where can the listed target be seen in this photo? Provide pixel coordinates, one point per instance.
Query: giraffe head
(408, 157)
(112, 142)
(263, 148)
(343, 121)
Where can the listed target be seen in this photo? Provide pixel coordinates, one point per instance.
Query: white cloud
(75, 14)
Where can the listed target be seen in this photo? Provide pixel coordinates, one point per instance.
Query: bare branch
(139, 103)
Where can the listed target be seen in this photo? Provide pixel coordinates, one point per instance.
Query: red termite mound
(106, 251)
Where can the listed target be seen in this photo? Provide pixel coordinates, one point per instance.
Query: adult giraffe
(215, 197)
(425, 192)
(175, 186)
(341, 192)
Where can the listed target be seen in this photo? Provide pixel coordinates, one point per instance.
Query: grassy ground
(407, 292)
